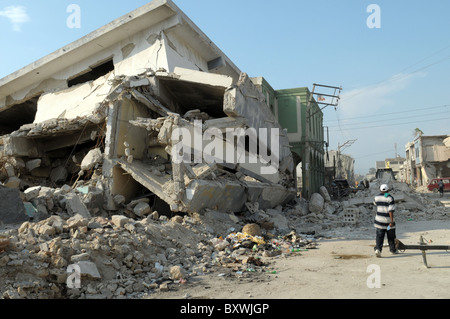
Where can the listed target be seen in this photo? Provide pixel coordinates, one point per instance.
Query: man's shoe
(377, 253)
(395, 252)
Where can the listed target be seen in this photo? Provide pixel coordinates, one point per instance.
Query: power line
(391, 119)
(373, 154)
(424, 109)
(394, 124)
(400, 76)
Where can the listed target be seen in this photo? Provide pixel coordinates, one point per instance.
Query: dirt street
(339, 268)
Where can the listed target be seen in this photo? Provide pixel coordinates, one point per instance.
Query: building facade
(303, 124)
(106, 110)
(432, 157)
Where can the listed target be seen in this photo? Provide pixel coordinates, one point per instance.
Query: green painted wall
(284, 104)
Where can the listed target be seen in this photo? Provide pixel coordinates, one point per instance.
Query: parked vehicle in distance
(433, 185)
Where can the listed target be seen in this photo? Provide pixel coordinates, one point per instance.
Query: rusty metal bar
(422, 247)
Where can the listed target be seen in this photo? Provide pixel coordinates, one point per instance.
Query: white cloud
(354, 111)
(17, 15)
(370, 99)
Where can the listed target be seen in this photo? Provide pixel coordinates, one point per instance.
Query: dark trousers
(390, 237)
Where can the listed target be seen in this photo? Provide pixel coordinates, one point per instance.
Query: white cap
(384, 188)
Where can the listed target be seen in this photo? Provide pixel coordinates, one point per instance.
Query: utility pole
(333, 99)
(342, 147)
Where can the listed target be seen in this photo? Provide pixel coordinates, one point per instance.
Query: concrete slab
(226, 196)
(156, 184)
(267, 195)
(80, 101)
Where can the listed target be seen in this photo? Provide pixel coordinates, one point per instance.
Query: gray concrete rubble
(139, 255)
(116, 136)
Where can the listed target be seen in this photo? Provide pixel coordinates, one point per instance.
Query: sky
(391, 58)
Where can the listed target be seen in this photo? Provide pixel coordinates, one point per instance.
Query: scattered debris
(136, 256)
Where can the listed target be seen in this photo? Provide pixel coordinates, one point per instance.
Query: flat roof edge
(92, 36)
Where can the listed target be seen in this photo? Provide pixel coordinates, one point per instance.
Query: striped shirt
(385, 203)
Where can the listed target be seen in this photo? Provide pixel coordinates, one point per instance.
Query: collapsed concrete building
(105, 110)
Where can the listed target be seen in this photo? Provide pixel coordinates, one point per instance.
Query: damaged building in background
(99, 115)
(427, 157)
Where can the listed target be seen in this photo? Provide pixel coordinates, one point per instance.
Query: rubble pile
(123, 257)
(139, 252)
(410, 205)
(321, 214)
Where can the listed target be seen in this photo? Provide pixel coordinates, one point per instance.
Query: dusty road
(339, 268)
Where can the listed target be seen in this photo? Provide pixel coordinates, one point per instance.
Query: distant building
(432, 157)
(341, 165)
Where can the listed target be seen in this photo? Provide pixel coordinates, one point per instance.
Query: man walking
(384, 220)
(441, 187)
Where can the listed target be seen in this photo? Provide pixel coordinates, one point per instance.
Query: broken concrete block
(46, 192)
(31, 165)
(57, 223)
(31, 193)
(119, 199)
(47, 230)
(65, 189)
(89, 269)
(142, 209)
(92, 158)
(268, 196)
(119, 220)
(177, 219)
(221, 244)
(76, 221)
(94, 200)
(279, 221)
(41, 207)
(324, 192)
(316, 203)
(12, 210)
(74, 205)
(20, 147)
(59, 174)
(199, 195)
